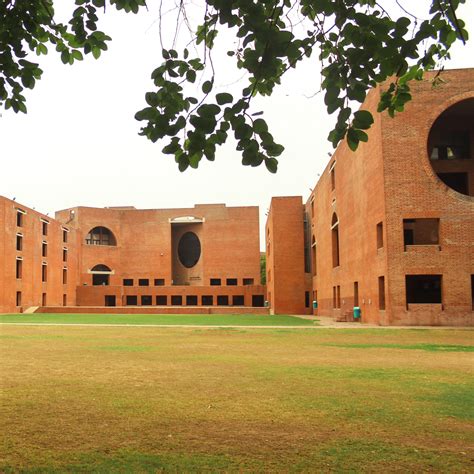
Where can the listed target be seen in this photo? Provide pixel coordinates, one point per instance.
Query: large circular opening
(451, 147)
(189, 249)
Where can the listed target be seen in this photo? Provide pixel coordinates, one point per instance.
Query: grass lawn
(179, 319)
(84, 399)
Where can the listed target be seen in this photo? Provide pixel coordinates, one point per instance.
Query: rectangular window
(44, 227)
(159, 282)
(18, 298)
(338, 297)
(176, 300)
(381, 293)
(44, 249)
(356, 293)
(161, 300)
(64, 255)
(332, 172)
(65, 232)
(380, 235)
(231, 282)
(110, 300)
(146, 300)
(248, 281)
(19, 268)
(64, 276)
(207, 300)
(238, 300)
(65, 300)
(131, 300)
(222, 300)
(19, 242)
(258, 301)
(421, 231)
(334, 301)
(307, 243)
(191, 300)
(312, 207)
(306, 299)
(215, 282)
(127, 282)
(19, 218)
(423, 289)
(314, 258)
(143, 282)
(44, 299)
(44, 272)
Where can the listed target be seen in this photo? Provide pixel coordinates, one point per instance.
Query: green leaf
(224, 98)
(207, 87)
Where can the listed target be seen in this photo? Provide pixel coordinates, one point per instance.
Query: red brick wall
(30, 284)
(285, 256)
(414, 191)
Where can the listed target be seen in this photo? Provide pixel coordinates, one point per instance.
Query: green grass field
(110, 399)
(159, 319)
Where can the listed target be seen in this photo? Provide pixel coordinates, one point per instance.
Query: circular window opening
(451, 147)
(189, 249)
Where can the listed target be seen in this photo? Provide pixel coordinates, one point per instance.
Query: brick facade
(375, 200)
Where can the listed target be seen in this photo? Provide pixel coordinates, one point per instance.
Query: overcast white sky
(78, 144)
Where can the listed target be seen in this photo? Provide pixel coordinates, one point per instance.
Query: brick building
(205, 256)
(389, 228)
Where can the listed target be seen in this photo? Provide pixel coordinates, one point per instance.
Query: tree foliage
(358, 43)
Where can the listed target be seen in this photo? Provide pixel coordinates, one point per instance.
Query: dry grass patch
(113, 400)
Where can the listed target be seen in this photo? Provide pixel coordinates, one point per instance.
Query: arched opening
(100, 236)
(335, 240)
(313, 256)
(101, 275)
(189, 249)
(451, 147)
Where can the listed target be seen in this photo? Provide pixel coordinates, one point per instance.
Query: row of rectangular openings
(44, 247)
(44, 271)
(231, 281)
(420, 289)
(143, 282)
(44, 299)
(44, 224)
(192, 300)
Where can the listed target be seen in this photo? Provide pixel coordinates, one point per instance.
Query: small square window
(215, 282)
(159, 282)
(231, 282)
(222, 300)
(143, 282)
(146, 300)
(248, 281)
(207, 300)
(177, 300)
(127, 282)
(131, 300)
(161, 300)
(191, 300)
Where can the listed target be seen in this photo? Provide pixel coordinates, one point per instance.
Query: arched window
(335, 240)
(100, 275)
(100, 236)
